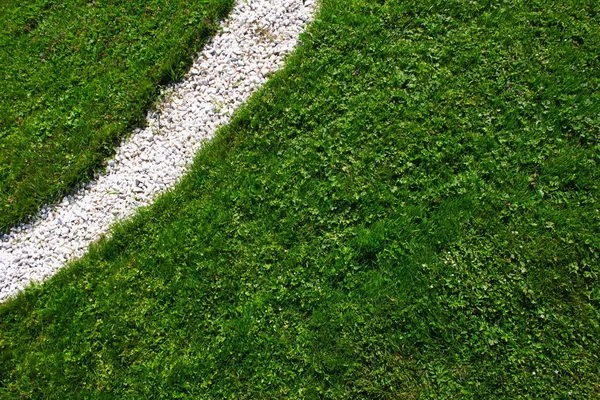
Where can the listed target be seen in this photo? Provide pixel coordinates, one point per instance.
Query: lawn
(410, 209)
(76, 77)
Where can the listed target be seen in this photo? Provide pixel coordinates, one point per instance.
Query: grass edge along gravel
(76, 87)
(409, 209)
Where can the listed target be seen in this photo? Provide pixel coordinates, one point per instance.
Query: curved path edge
(251, 44)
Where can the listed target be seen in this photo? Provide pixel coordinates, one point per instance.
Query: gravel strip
(252, 44)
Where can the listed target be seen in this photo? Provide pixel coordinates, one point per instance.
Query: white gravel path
(253, 43)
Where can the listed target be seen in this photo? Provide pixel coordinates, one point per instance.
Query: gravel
(252, 44)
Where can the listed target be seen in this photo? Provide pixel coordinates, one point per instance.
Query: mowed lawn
(409, 210)
(76, 77)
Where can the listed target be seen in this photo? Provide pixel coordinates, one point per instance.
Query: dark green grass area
(409, 210)
(76, 77)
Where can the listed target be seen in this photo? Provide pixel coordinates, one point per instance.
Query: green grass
(76, 77)
(409, 210)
